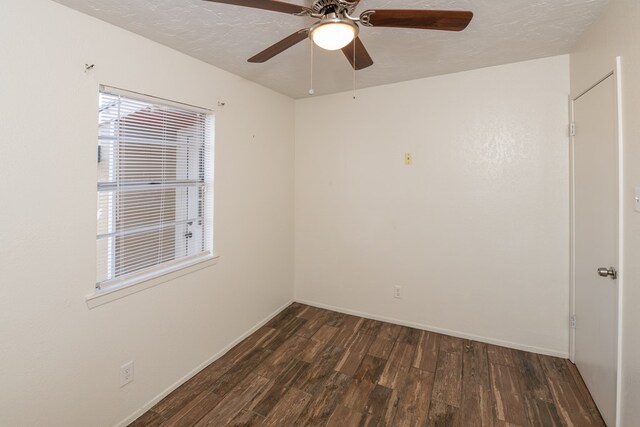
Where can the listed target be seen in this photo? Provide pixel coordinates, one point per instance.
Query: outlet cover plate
(126, 373)
(397, 292)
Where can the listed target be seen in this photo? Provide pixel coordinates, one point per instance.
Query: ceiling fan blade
(272, 5)
(281, 46)
(447, 20)
(362, 58)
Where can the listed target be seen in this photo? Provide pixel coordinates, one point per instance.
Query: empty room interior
(320, 213)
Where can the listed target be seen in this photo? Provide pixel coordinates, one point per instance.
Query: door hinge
(572, 129)
(572, 320)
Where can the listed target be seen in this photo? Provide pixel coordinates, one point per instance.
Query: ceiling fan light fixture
(334, 34)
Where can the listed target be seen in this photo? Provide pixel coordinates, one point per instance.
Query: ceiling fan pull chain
(311, 91)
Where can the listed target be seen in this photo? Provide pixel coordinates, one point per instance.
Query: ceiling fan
(338, 29)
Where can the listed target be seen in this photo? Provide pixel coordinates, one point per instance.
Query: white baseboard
(131, 418)
(532, 349)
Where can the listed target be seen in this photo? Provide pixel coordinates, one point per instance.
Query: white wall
(617, 34)
(59, 361)
(476, 231)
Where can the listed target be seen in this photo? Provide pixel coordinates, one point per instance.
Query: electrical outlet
(397, 292)
(126, 373)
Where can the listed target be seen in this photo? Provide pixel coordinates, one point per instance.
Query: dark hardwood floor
(313, 367)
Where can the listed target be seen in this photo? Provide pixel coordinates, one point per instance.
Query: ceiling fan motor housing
(339, 7)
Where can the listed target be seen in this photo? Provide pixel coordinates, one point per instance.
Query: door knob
(608, 272)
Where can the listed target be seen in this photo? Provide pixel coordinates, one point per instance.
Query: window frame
(125, 284)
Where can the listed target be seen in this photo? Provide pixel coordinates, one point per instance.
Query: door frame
(616, 73)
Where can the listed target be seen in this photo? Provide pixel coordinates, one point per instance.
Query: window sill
(101, 297)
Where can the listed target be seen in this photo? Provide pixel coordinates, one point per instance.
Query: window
(155, 193)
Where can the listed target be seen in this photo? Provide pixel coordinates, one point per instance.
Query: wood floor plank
(451, 344)
(381, 348)
(288, 409)
(477, 402)
(409, 336)
(234, 402)
(148, 419)
(414, 398)
(356, 396)
(364, 381)
(370, 327)
(447, 387)
(295, 308)
(336, 319)
(281, 357)
(310, 312)
(398, 365)
(325, 333)
(427, 349)
(281, 384)
(477, 406)
(324, 401)
(241, 370)
(386, 418)
(350, 326)
(500, 423)
(508, 397)
(288, 329)
(354, 354)
(311, 350)
(181, 396)
(443, 415)
(389, 331)
(369, 420)
(194, 411)
(311, 326)
(476, 364)
(541, 413)
(320, 370)
(370, 369)
(556, 368)
(500, 355)
(568, 402)
(572, 403)
(344, 417)
(255, 340)
(283, 317)
(246, 418)
(533, 380)
(379, 401)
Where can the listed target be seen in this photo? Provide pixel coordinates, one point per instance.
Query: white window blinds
(155, 193)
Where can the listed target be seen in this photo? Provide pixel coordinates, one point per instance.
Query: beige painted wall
(59, 360)
(617, 34)
(476, 231)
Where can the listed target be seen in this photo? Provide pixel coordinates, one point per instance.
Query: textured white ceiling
(502, 31)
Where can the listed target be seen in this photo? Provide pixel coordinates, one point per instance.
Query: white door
(595, 154)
